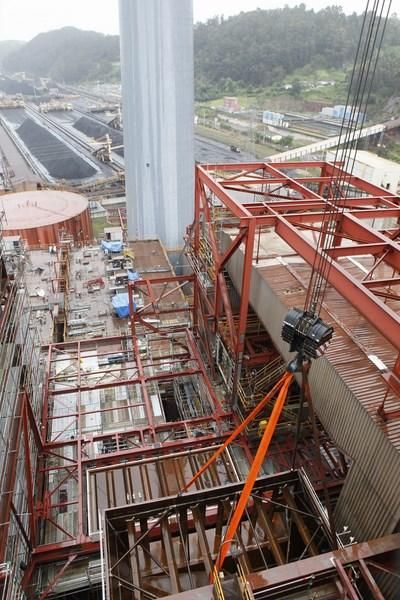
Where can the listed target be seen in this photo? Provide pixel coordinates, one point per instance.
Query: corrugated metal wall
(369, 502)
(157, 91)
(79, 227)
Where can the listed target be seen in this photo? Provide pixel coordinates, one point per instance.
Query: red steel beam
(320, 217)
(244, 304)
(28, 471)
(313, 204)
(361, 184)
(232, 248)
(317, 566)
(214, 186)
(350, 591)
(372, 283)
(355, 250)
(372, 308)
(116, 383)
(384, 318)
(370, 581)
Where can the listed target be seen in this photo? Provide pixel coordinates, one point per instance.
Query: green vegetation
(98, 224)
(68, 55)
(7, 47)
(267, 58)
(256, 54)
(390, 149)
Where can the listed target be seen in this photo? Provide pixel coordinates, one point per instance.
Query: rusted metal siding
(79, 228)
(139, 481)
(369, 502)
(39, 217)
(347, 389)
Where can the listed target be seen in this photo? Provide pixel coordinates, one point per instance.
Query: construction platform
(357, 380)
(109, 427)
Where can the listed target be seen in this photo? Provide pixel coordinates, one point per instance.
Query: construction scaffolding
(21, 376)
(170, 545)
(236, 204)
(100, 436)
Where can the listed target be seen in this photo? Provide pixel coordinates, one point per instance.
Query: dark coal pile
(96, 130)
(60, 161)
(11, 86)
(16, 116)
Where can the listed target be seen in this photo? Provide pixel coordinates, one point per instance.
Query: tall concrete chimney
(157, 96)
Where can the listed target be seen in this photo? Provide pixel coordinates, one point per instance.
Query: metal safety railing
(218, 592)
(252, 388)
(11, 589)
(244, 584)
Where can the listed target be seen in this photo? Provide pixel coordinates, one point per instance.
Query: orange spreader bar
(287, 377)
(254, 470)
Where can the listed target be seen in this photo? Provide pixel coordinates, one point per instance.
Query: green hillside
(7, 47)
(67, 55)
(252, 54)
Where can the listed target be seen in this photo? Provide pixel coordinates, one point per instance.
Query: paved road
(209, 151)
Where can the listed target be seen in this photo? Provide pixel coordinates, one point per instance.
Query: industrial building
(376, 169)
(224, 425)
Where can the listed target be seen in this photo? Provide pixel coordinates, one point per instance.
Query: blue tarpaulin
(114, 246)
(120, 304)
(133, 275)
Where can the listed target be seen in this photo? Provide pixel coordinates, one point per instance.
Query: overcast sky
(23, 19)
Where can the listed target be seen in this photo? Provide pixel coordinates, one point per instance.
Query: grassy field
(391, 151)
(98, 225)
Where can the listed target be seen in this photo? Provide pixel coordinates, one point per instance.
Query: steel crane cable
(342, 187)
(366, 59)
(336, 186)
(380, 27)
(313, 284)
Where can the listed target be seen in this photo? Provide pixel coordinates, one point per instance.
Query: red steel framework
(66, 450)
(294, 206)
(212, 310)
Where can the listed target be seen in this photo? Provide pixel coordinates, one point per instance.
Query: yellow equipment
(261, 427)
(129, 253)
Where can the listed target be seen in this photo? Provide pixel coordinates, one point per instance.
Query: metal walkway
(331, 142)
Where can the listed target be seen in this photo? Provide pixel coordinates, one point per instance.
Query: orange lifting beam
(287, 377)
(254, 470)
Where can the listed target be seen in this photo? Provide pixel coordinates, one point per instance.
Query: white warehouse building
(375, 169)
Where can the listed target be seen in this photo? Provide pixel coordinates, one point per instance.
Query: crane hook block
(306, 333)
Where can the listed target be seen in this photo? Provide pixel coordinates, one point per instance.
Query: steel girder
(303, 208)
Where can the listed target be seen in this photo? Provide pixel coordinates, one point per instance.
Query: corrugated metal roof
(29, 210)
(347, 389)
(354, 339)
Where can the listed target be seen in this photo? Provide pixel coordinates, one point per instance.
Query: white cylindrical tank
(157, 96)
